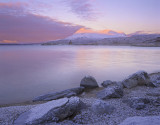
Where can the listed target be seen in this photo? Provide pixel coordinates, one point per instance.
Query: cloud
(8, 41)
(16, 24)
(82, 8)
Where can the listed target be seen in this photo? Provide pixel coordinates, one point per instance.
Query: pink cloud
(18, 25)
(8, 41)
(81, 8)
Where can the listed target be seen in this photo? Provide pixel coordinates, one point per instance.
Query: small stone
(101, 107)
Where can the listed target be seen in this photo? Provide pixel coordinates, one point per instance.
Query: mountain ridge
(150, 40)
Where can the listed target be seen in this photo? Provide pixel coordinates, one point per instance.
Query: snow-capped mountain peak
(91, 34)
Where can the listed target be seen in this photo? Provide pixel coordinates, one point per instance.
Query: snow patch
(94, 36)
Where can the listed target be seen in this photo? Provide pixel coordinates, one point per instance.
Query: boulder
(52, 111)
(57, 95)
(138, 120)
(89, 82)
(110, 92)
(138, 78)
(101, 107)
(107, 83)
(137, 102)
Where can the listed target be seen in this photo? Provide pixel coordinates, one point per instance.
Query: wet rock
(138, 78)
(137, 102)
(138, 120)
(110, 92)
(101, 107)
(57, 95)
(89, 82)
(52, 111)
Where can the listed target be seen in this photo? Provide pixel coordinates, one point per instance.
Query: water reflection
(29, 71)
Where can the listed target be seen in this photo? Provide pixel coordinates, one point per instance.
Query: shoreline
(10, 112)
(79, 45)
(30, 102)
(98, 45)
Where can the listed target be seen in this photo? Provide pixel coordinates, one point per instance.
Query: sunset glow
(32, 21)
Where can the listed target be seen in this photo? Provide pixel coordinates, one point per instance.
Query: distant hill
(105, 39)
(135, 40)
(11, 44)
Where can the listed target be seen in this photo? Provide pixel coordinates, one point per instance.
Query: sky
(33, 21)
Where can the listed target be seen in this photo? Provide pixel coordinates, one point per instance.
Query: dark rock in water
(89, 82)
(52, 111)
(101, 107)
(138, 78)
(138, 120)
(57, 95)
(137, 103)
(110, 92)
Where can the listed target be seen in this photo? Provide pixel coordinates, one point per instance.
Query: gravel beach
(86, 116)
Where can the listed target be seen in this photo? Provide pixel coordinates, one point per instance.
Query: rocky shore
(133, 101)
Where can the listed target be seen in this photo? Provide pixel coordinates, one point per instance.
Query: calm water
(29, 71)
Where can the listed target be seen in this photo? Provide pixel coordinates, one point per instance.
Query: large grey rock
(138, 78)
(89, 82)
(138, 120)
(57, 95)
(110, 92)
(52, 111)
(101, 107)
(137, 102)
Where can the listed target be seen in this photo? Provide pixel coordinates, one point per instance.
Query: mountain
(90, 34)
(135, 40)
(87, 36)
(108, 37)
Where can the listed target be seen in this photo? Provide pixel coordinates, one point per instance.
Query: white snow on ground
(40, 110)
(93, 36)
